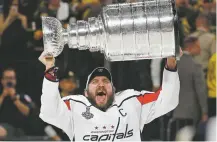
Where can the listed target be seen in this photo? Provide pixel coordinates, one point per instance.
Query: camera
(9, 85)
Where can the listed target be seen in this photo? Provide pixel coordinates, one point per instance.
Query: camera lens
(9, 84)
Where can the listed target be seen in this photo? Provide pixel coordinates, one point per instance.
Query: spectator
(13, 25)
(51, 8)
(54, 8)
(86, 8)
(68, 85)
(187, 15)
(207, 41)
(25, 120)
(197, 5)
(11, 13)
(28, 8)
(211, 82)
(14, 108)
(209, 6)
(192, 97)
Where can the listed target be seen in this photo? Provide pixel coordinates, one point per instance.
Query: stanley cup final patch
(87, 114)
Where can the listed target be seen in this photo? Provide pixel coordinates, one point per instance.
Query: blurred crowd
(21, 43)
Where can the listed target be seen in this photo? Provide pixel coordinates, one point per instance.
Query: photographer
(18, 114)
(14, 108)
(13, 31)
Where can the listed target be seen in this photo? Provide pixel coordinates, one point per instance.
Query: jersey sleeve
(156, 104)
(55, 110)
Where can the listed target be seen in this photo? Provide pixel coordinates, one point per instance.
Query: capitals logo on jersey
(110, 134)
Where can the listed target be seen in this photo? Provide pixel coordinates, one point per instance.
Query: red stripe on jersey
(148, 97)
(67, 104)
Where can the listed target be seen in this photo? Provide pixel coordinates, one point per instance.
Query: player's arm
(155, 73)
(53, 109)
(165, 99)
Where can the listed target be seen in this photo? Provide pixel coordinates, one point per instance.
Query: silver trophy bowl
(127, 31)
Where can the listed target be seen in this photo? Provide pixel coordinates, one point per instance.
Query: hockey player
(101, 114)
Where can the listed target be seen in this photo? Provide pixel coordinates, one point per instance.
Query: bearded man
(101, 114)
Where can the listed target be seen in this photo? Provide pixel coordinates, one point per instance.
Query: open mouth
(101, 93)
(101, 97)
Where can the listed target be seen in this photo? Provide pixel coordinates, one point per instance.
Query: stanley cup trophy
(127, 31)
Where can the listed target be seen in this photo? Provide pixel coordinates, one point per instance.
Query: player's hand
(47, 60)
(171, 61)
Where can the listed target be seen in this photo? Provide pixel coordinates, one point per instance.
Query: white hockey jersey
(124, 120)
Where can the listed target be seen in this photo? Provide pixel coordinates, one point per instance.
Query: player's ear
(114, 89)
(85, 93)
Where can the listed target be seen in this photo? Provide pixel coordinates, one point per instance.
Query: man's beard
(105, 106)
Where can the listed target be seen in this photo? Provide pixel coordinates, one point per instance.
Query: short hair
(7, 69)
(189, 40)
(204, 18)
